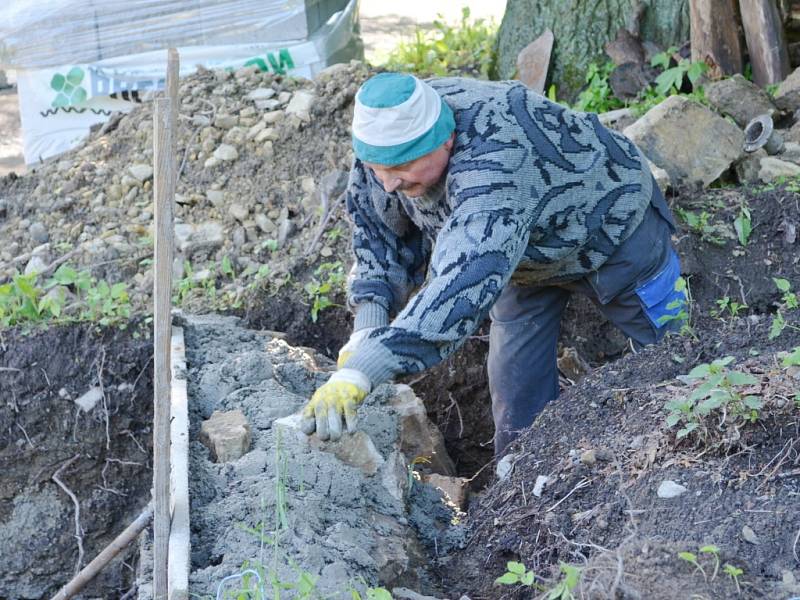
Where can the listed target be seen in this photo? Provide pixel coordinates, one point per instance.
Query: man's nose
(391, 183)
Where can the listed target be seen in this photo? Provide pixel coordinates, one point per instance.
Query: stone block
(689, 141)
(419, 438)
(226, 435)
(739, 98)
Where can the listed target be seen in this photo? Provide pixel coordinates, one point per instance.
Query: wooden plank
(179, 538)
(766, 43)
(715, 36)
(164, 191)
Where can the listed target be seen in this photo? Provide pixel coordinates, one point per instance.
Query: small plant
(718, 388)
(516, 573)
(792, 359)
(724, 305)
(701, 224)
(789, 301)
(683, 316)
(742, 225)
(270, 244)
(563, 590)
(734, 573)
(712, 551)
(464, 49)
(691, 558)
(328, 280)
(671, 79)
(598, 96)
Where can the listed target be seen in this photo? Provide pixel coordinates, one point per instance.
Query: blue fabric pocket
(663, 295)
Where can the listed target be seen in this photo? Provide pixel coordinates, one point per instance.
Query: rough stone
(300, 105)
(748, 166)
(418, 436)
(190, 238)
(38, 233)
(739, 98)
(670, 489)
(406, 594)
(456, 489)
(239, 212)
(748, 535)
(690, 155)
(787, 96)
(141, 172)
(215, 197)
(534, 60)
(261, 93)
(226, 121)
(36, 264)
(226, 152)
(790, 152)
(772, 168)
(264, 223)
(89, 399)
(226, 435)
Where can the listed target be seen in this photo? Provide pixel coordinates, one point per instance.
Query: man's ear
(450, 141)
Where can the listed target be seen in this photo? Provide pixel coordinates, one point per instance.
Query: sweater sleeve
(390, 251)
(475, 254)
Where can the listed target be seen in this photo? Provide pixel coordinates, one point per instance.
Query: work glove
(346, 351)
(334, 401)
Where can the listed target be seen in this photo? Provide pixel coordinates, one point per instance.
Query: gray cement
(293, 508)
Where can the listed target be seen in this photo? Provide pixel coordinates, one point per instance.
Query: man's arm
(390, 252)
(475, 254)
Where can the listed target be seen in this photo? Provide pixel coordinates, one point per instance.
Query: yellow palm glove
(334, 401)
(347, 350)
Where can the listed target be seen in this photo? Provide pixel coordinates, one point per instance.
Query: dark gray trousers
(634, 289)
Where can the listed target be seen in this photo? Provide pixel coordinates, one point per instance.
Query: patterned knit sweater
(534, 193)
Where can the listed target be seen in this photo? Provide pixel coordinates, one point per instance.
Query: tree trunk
(581, 28)
(715, 36)
(766, 44)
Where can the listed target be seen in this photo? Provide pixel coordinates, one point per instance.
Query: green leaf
(739, 378)
(710, 549)
(791, 360)
(783, 285)
(57, 82)
(515, 567)
(723, 362)
(673, 419)
(79, 96)
(743, 228)
(690, 427)
(699, 371)
(687, 556)
(695, 70)
(669, 80)
(507, 579)
(75, 76)
(753, 402)
(527, 579)
(777, 326)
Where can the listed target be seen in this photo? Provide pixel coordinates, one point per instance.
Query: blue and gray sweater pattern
(534, 194)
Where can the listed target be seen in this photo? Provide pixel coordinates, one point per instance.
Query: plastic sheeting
(35, 35)
(59, 104)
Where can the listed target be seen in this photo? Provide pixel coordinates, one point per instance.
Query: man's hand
(334, 401)
(355, 340)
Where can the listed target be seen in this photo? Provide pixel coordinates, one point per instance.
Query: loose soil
(107, 451)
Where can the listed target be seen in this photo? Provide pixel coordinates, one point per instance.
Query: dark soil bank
(101, 454)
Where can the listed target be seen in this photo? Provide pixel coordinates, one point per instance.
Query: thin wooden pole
(90, 571)
(164, 118)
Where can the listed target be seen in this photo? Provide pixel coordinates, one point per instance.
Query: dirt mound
(78, 406)
(605, 450)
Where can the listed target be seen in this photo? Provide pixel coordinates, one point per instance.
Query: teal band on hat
(399, 118)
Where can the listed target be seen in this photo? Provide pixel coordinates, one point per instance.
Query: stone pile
(260, 156)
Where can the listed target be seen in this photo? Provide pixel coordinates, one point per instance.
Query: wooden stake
(164, 118)
(90, 571)
(766, 43)
(715, 36)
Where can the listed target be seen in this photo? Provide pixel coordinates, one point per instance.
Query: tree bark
(763, 29)
(715, 36)
(581, 28)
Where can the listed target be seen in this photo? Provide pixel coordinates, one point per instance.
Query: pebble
(300, 105)
(749, 535)
(141, 172)
(538, 486)
(215, 197)
(261, 93)
(239, 212)
(226, 121)
(670, 489)
(225, 152)
(38, 233)
(326, 252)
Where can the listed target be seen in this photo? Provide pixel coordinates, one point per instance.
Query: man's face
(416, 177)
